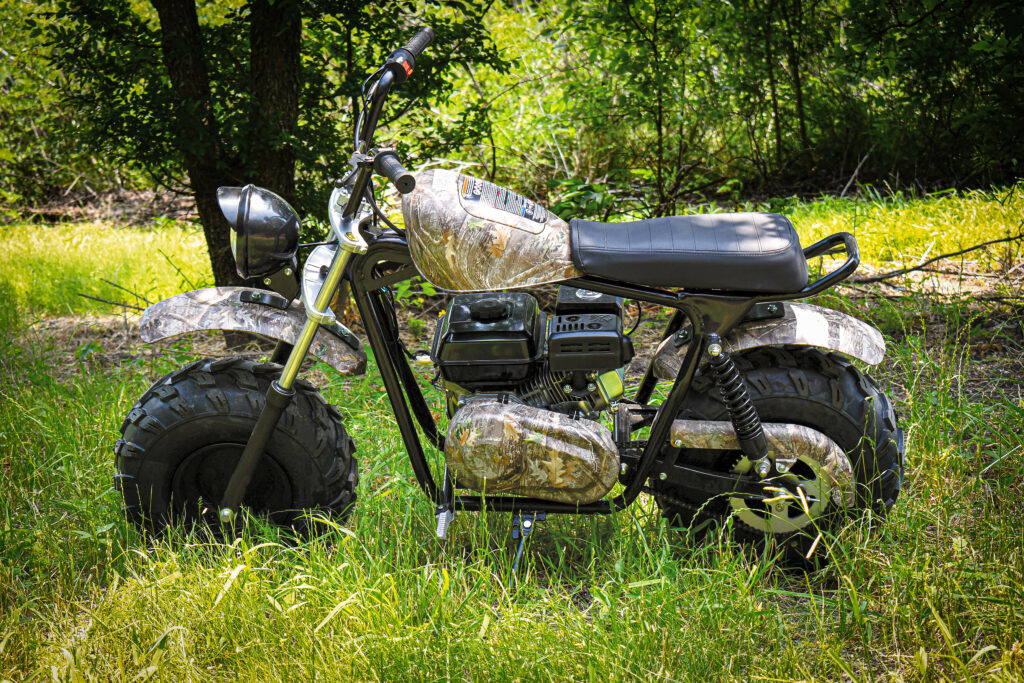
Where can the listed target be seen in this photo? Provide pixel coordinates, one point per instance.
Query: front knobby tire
(811, 388)
(181, 440)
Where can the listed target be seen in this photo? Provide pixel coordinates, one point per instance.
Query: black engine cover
(587, 342)
(489, 339)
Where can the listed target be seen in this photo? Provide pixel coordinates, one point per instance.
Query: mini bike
(765, 418)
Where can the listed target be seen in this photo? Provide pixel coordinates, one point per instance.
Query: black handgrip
(420, 41)
(386, 163)
(402, 61)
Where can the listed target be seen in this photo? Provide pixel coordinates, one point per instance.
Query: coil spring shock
(742, 412)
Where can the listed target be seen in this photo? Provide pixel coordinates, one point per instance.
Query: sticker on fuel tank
(488, 194)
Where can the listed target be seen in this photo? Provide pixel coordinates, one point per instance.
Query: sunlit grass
(901, 229)
(934, 593)
(47, 267)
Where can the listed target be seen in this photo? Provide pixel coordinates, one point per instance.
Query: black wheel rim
(201, 478)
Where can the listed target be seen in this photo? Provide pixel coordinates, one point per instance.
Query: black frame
(708, 313)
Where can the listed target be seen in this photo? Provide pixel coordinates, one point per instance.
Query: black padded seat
(740, 252)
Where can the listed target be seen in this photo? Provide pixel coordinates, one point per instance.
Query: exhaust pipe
(788, 444)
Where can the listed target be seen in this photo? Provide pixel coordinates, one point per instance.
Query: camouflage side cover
(513, 448)
(470, 235)
(787, 442)
(231, 308)
(800, 325)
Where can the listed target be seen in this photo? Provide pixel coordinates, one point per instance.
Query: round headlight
(264, 229)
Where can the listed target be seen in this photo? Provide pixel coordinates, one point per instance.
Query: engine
(501, 345)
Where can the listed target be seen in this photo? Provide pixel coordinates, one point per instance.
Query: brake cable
(362, 108)
(380, 214)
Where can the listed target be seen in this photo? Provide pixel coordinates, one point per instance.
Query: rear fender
(242, 309)
(800, 325)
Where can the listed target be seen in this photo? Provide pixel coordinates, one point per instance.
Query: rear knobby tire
(811, 388)
(181, 440)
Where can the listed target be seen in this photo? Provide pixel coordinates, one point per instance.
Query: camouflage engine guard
(512, 448)
(800, 325)
(251, 310)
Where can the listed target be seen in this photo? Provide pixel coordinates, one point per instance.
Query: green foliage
(660, 104)
(603, 109)
(39, 155)
(951, 76)
(111, 52)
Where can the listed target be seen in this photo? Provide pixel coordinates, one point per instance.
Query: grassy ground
(47, 267)
(936, 593)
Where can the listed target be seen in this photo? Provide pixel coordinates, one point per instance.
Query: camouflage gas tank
(467, 234)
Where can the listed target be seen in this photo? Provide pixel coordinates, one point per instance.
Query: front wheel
(808, 387)
(181, 440)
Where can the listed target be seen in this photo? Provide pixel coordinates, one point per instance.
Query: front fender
(242, 309)
(800, 325)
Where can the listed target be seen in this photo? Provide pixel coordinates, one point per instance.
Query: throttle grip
(402, 61)
(387, 164)
(420, 41)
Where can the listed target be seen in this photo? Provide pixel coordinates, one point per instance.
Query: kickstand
(445, 512)
(522, 526)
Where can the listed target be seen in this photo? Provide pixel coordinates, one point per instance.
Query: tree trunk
(769, 61)
(274, 39)
(794, 25)
(182, 46)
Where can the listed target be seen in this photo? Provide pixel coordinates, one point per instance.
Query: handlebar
(402, 61)
(420, 41)
(386, 163)
(397, 67)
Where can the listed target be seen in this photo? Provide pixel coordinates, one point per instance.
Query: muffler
(789, 446)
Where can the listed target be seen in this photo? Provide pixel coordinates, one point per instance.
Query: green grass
(48, 266)
(935, 593)
(900, 229)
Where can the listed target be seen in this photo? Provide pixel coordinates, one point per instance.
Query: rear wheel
(824, 392)
(181, 441)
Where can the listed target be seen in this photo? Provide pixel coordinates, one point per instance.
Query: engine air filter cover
(488, 339)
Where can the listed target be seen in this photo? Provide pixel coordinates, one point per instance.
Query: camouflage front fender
(800, 325)
(242, 309)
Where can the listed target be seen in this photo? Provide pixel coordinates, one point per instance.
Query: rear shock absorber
(742, 412)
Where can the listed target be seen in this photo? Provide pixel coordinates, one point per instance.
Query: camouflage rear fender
(800, 325)
(242, 309)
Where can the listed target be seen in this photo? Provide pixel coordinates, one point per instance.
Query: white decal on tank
(488, 194)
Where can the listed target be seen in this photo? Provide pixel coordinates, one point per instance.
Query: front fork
(282, 390)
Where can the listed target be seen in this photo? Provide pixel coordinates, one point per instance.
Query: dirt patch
(130, 207)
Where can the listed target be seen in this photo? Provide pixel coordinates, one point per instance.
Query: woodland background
(599, 109)
(899, 121)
